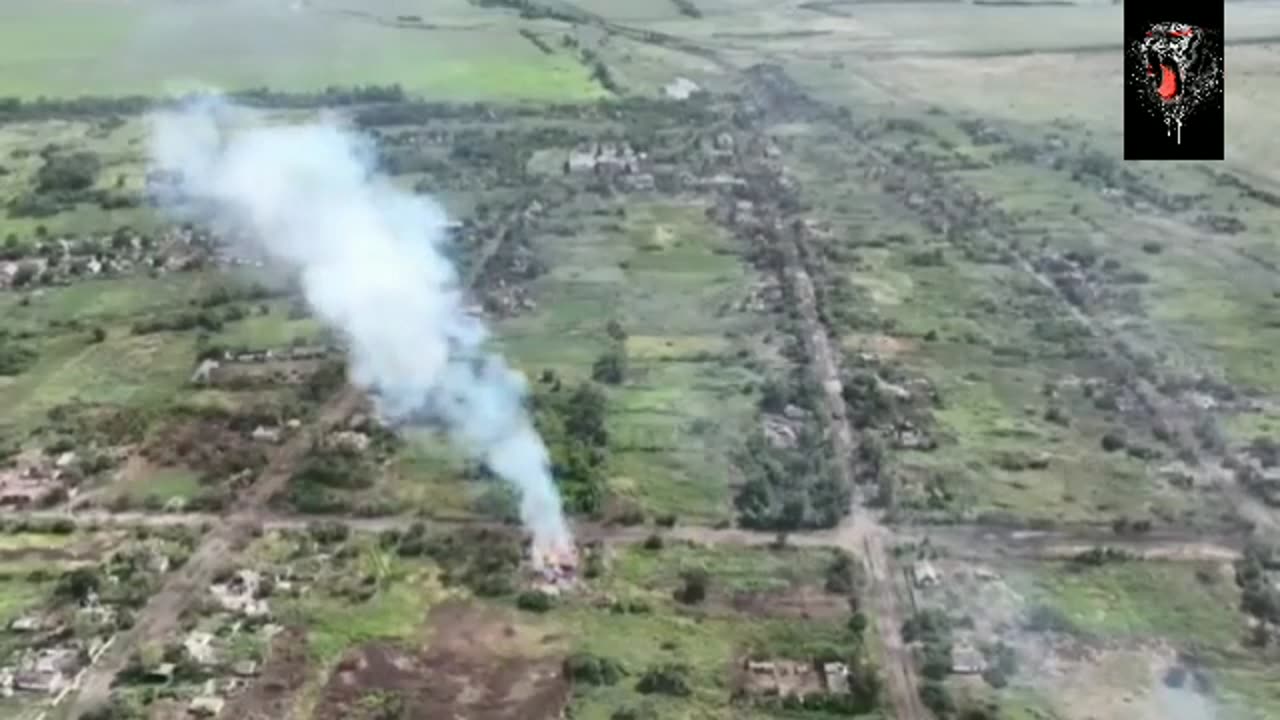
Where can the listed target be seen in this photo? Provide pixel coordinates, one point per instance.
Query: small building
(925, 574)
(967, 660)
(47, 671)
(836, 676)
(206, 706)
(239, 594)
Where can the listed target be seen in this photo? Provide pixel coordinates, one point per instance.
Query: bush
(588, 669)
(857, 624)
(75, 172)
(667, 679)
(610, 368)
(78, 584)
(935, 697)
(15, 359)
(842, 574)
(1112, 442)
(116, 709)
(534, 601)
(694, 587)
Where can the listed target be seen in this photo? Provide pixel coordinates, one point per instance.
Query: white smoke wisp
(370, 263)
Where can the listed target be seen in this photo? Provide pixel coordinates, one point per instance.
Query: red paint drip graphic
(1168, 83)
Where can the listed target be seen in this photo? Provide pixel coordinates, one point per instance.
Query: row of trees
(572, 424)
(790, 488)
(14, 109)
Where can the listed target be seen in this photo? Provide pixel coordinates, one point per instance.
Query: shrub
(534, 601)
(1112, 442)
(694, 587)
(15, 359)
(667, 679)
(68, 173)
(589, 669)
(842, 574)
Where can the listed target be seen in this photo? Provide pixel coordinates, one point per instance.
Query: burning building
(554, 568)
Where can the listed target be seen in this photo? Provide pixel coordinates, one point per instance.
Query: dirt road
(158, 620)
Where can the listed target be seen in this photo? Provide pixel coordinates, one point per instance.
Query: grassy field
(127, 370)
(1186, 605)
(992, 343)
(1192, 608)
(667, 277)
(158, 46)
(161, 485)
(710, 639)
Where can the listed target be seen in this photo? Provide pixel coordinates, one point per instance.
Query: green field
(67, 48)
(1191, 607)
(668, 278)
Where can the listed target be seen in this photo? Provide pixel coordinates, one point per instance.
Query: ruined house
(200, 648)
(836, 675)
(25, 490)
(239, 594)
(967, 660)
(603, 158)
(48, 670)
(924, 574)
(783, 678)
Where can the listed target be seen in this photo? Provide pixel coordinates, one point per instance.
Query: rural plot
(670, 282)
(1078, 639)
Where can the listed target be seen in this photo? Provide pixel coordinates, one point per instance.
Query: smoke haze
(370, 263)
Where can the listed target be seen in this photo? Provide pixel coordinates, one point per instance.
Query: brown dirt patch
(203, 444)
(480, 665)
(805, 602)
(272, 695)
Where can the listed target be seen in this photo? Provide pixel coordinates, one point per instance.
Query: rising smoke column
(369, 259)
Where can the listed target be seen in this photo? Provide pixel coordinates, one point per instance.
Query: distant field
(70, 48)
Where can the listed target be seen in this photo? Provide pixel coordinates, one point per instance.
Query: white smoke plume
(369, 257)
